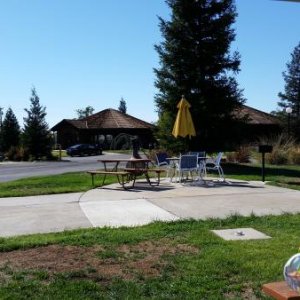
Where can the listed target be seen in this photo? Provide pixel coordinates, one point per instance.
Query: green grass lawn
(286, 176)
(177, 260)
(53, 184)
(59, 153)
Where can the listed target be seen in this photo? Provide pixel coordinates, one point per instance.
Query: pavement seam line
(171, 213)
(81, 195)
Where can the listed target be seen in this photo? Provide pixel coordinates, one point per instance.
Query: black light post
(263, 149)
(289, 110)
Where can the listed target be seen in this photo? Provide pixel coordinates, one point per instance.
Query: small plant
(17, 154)
(241, 155)
(277, 157)
(294, 156)
(109, 253)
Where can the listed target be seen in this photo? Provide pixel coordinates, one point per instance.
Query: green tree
(84, 112)
(36, 135)
(122, 106)
(164, 135)
(195, 60)
(10, 131)
(1, 141)
(291, 95)
(1, 114)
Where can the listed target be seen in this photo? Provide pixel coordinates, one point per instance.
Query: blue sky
(93, 52)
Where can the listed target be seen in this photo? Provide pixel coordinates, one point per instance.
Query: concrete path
(112, 206)
(41, 214)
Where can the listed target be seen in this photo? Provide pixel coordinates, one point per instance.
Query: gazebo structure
(102, 128)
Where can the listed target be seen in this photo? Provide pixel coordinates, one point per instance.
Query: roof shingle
(109, 119)
(256, 117)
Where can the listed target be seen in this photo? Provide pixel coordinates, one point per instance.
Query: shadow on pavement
(218, 184)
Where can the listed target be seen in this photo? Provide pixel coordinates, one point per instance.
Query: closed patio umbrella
(184, 123)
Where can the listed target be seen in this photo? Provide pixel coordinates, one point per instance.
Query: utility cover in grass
(240, 234)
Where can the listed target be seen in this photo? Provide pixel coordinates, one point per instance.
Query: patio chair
(161, 159)
(188, 164)
(199, 153)
(214, 164)
(201, 161)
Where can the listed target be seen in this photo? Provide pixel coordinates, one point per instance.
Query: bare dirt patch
(247, 294)
(146, 259)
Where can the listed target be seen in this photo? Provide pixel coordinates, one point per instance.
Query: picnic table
(134, 167)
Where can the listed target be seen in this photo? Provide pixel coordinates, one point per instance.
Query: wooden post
(280, 291)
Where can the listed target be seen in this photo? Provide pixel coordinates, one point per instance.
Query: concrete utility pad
(237, 234)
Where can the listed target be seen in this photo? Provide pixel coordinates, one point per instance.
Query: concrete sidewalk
(41, 214)
(112, 206)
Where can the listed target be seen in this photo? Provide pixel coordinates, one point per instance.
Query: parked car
(83, 149)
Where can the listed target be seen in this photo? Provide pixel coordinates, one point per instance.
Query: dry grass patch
(246, 294)
(145, 259)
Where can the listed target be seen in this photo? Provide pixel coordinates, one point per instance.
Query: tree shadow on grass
(239, 169)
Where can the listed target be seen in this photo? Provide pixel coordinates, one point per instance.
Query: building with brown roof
(102, 128)
(258, 123)
(257, 117)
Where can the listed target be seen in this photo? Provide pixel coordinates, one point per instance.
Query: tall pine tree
(10, 132)
(291, 95)
(1, 114)
(195, 61)
(36, 135)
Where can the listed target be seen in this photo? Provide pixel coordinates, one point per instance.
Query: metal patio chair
(161, 159)
(188, 164)
(214, 164)
(201, 161)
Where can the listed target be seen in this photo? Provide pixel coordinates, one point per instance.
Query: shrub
(277, 157)
(294, 156)
(17, 154)
(241, 155)
(282, 146)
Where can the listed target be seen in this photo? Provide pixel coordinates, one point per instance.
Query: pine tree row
(33, 141)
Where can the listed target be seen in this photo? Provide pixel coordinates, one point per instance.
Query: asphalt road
(15, 170)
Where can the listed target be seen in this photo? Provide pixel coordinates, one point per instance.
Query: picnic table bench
(120, 175)
(142, 171)
(136, 167)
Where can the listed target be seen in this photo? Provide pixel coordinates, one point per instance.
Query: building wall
(67, 135)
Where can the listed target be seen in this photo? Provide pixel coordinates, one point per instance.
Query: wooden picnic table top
(134, 160)
(135, 170)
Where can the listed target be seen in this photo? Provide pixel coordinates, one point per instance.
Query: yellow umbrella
(184, 123)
